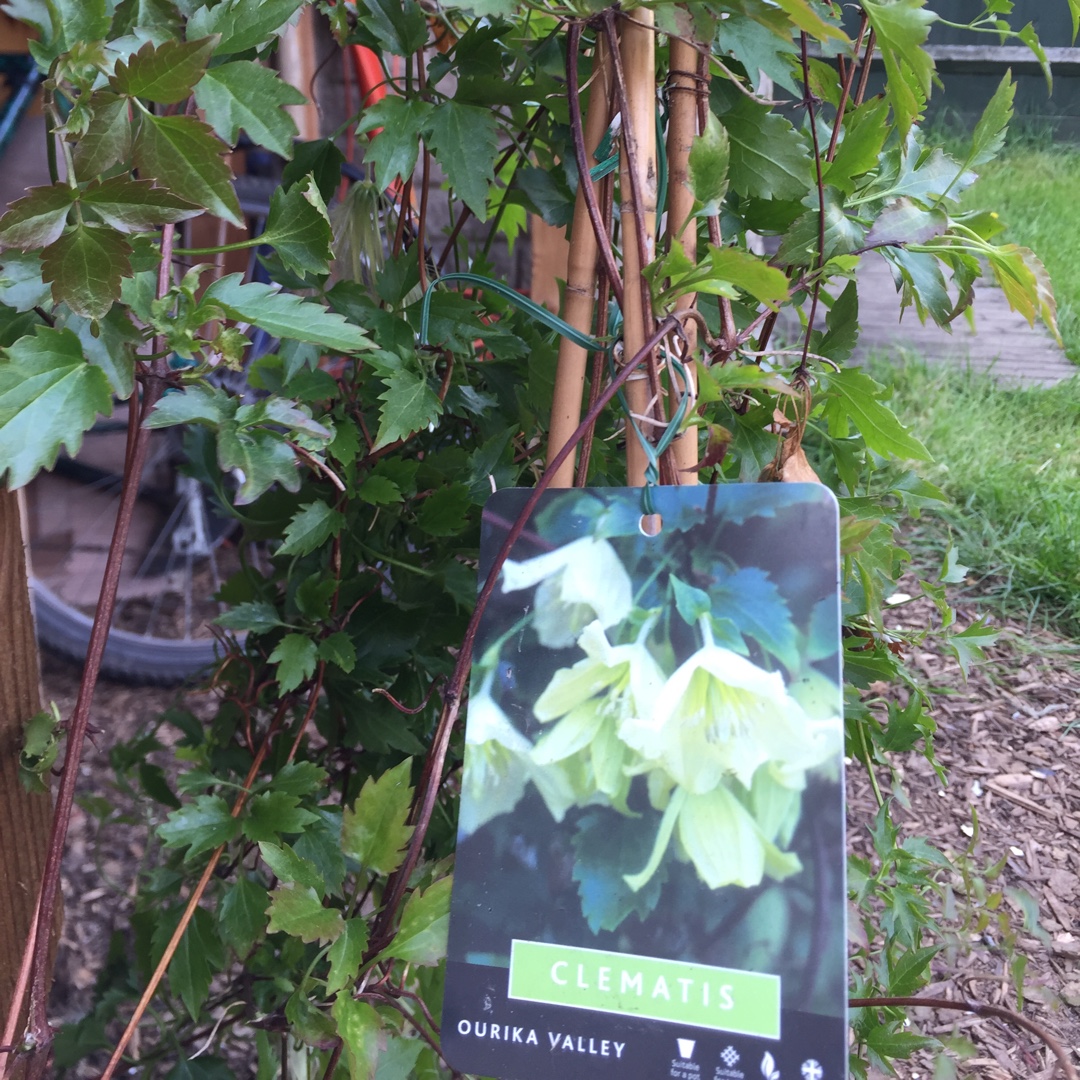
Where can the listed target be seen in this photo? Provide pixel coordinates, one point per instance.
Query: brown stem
(596, 380)
(865, 73)
(579, 296)
(603, 237)
(820, 259)
(978, 1009)
(845, 92)
(431, 778)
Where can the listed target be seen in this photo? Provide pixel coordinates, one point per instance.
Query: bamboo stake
(580, 297)
(682, 127)
(637, 46)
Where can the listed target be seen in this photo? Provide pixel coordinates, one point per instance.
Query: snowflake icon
(730, 1056)
(812, 1070)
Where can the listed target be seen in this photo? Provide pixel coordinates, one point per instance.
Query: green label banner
(647, 987)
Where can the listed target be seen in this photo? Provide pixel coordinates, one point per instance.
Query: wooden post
(297, 64)
(580, 297)
(638, 49)
(682, 127)
(25, 818)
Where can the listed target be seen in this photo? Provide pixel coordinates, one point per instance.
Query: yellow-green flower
(720, 715)
(580, 582)
(590, 701)
(496, 763)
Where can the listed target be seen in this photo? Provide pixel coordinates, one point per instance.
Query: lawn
(1033, 186)
(1010, 460)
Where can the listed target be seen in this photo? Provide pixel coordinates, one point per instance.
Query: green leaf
(968, 646)
(135, 205)
(242, 24)
(690, 602)
(399, 26)
(205, 1067)
(297, 911)
(359, 1027)
(284, 315)
(110, 344)
(751, 601)
(107, 140)
(707, 167)
(85, 267)
(242, 914)
(38, 219)
(286, 865)
(322, 159)
(299, 229)
(201, 825)
(197, 958)
(769, 159)
(295, 657)
(865, 130)
(321, 844)
(374, 832)
(163, 73)
(901, 27)
(910, 973)
(989, 135)
(299, 778)
(841, 326)
(275, 812)
(905, 222)
(254, 616)
(49, 395)
(379, 491)
(803, 15)
(465, 139)
(410, 405)
(245, 94)
(421, 937)
(843, 235)
(394, 150)
(345, 955)
(338, 649)
(262, 455)
(311, 526)
(852, 397)
(884, 1044)
(182, 154)
(444, 512)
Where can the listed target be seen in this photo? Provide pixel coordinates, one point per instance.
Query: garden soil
(1009, 737)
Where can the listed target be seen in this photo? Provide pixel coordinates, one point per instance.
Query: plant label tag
(650, 868)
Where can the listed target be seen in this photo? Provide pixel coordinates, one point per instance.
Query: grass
(1010, 460)
(1033, 187)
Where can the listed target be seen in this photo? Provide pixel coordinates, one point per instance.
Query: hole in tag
(651, 524)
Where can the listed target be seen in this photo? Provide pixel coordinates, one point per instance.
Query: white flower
(580, 582)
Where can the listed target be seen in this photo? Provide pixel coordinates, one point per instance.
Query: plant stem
(221, 249)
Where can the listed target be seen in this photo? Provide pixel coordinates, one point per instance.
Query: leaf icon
(768, 1067)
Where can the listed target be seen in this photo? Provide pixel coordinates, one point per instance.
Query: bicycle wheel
(179, 552)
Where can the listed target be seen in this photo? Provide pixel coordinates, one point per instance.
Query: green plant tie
(609, 159)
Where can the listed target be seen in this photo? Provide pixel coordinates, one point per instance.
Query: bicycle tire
(128, 657)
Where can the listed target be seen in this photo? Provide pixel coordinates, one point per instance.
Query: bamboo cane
(638, 50)
(682, 127)
(580, 297)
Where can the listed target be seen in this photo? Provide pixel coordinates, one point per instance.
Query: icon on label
(686, 1048)
(812, 1070)
(729, 1056)
(768, 1067)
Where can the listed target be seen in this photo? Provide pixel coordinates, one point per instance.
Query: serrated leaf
(345, 955)
(242, 24)
(297, 911)
(254, 616)
(272, 813)
(311, 526)
(245, 94)
(286, 865)
(200, 826)
(85, 268)
(854, 398)
(399, 26)
(901, 28)
(989, 135)
(749, 598)
(374, 832)
(769, 159)
(198, 955)
(841, 326)
(803, 15)
(843, 234)
(904, 222)
(321, 844)
(205, 1067)
(910, 973)
(242, 914)
(421, 937)
(285, 315)
(295, 655)
(49, 396)
(865, 130)
(322, 159)
(163, 73)
(968, 646)
(749, 273)
(359, 1027)
(338, 649)
(37, 219)
(444, 511)
(107, 140)
(379, 491)
(182, 154)
(410, 404)
(394, 150)
(21, 286)
(465, 139)
(707, 167)
(299, 778)
(136, 205)
(298, 228)
(691, 603)
(262, 455)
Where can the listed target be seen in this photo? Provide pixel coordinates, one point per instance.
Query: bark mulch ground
(1009, 737)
